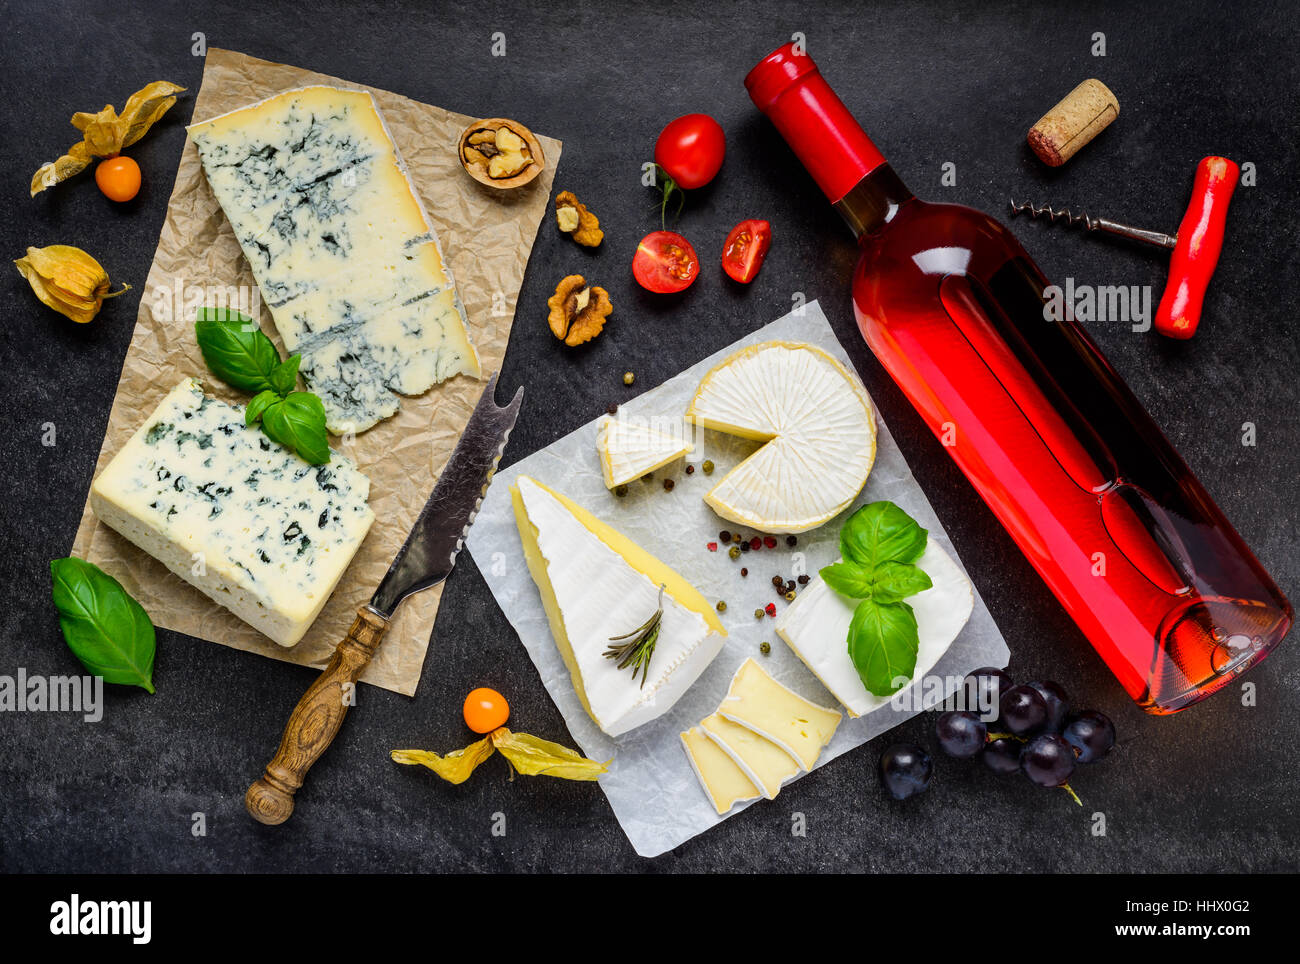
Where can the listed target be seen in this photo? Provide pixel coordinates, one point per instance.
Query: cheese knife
(425, 559)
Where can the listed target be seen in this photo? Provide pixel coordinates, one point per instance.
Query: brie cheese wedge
(723, 781)
(818, 426)
(798, 726)
(632, 447)
(765, 764)
(597, 584)
(816, 627)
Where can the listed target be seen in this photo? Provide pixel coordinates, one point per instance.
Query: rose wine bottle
(1050, 436)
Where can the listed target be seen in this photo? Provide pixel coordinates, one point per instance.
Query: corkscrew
(1195, 247)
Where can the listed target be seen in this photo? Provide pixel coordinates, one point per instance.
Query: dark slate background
(1210, 789)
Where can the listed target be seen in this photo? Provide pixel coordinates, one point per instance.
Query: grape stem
(1073, 796)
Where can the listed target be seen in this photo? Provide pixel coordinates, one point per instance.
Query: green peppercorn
(734, 552)
(722, 606)
(629, 378)
(759, 614)
(765, 648)
(789, 597)
(707, 466)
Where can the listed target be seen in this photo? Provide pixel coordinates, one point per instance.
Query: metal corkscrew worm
(1089, 223)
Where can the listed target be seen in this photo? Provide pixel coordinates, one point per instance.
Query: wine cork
(1084, 113)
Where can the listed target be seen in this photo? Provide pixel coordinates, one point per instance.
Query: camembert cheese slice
(818, 425)
(723, 781)
(816, 627)
(631, 447)
(342, 249)
(765, 764)
(597, 584)
(240, 518)
(758, 702)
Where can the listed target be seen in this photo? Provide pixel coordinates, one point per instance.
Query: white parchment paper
(650, 784)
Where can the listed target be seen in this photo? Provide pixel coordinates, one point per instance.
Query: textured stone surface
(1210, 789)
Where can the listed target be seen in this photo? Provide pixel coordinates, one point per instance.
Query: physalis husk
(529, 755)
(455, 767)
(67, 280)
(106, 133)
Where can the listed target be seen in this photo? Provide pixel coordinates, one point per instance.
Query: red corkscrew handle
(1200, 239)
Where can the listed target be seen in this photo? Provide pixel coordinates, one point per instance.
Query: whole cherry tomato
(118, 177)
(691, 150)
(485, 710)
(745, 249)
(665, 263)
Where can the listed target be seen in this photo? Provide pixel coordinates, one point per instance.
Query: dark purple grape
(1023, 710)
(905, 770)
(1003, 755)
(961, 734)
(1047, 760)
(1058, 704)
(1091, 733)
(985, 686)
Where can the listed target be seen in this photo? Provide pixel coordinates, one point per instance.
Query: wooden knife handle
(314, 722)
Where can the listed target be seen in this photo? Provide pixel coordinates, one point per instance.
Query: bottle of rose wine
(1050, 436)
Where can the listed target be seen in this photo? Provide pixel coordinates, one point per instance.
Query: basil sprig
(104, 627)
(880, 544)
(242, 356)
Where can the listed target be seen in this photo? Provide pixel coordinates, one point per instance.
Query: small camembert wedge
(818, 425)
(273, 533)
(816, 627)
(759, 703)
(765, 764)
(724, 782)
(597, 584)
(631, 447)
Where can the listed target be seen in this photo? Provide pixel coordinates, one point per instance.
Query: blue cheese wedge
(342, 249)
(816, 627)
(240, 518)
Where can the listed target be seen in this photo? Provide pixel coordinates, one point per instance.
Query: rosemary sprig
(634, 649)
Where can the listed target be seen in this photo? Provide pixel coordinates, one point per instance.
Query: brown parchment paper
(486, 237)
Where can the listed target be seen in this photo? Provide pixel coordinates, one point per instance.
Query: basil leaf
(883, 642)
(260, 403)
(236, 350)
(889, 582)
(881, 532)
(848, 580)
(298, 422)
(284, 377)
(103, 626)
(893, 581)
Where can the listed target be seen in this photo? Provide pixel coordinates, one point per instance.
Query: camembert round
(818, 425)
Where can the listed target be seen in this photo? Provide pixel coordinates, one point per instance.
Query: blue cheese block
(242, 519)
(341, 246)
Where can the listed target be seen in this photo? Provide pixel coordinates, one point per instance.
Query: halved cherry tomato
(485, 710)
(118, 177)
(691, 149)
(745, 249)
(665, 262)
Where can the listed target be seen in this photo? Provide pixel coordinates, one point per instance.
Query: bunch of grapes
(1034, 733)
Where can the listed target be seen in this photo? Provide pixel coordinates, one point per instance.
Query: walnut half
(573, 218)
(578, 312)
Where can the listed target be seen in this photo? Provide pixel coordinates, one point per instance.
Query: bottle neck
(787, 87)
(874, 201)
